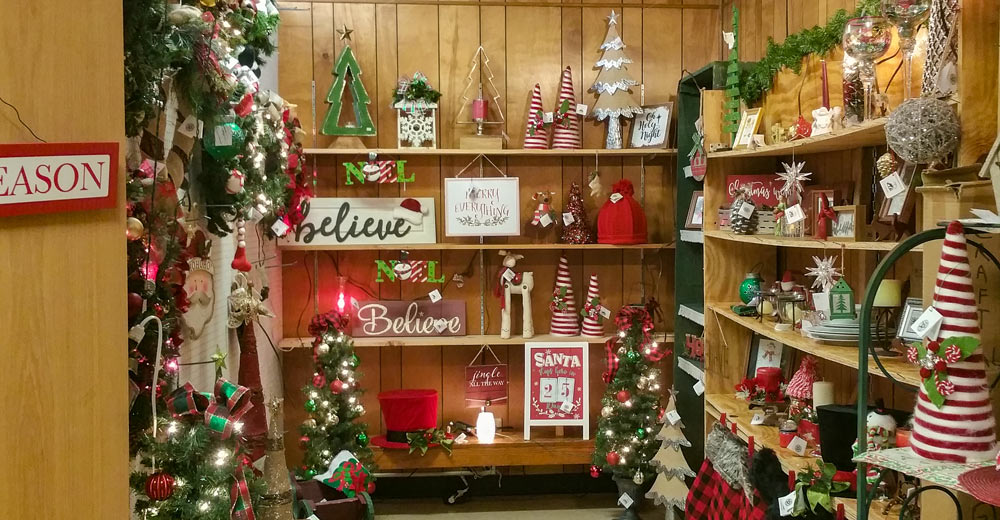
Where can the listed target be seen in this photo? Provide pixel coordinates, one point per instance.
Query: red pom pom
(622, 396)
(925, 372)
(337, 386)
(595, 471)
(319, 381)
(613, 458)
(940, 366)
(624, 187)
(159, 486)
(934, 346)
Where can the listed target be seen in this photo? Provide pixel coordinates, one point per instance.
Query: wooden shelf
(803, 243)
(512, 152)
(457, 246)
(508, 450)
(898, 367)
(476, 339)
(870, 133)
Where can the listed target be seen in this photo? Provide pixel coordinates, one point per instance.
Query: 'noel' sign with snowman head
(350, 221)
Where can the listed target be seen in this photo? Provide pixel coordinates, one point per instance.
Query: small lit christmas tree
(334, 399)
(578, 231)
(669, 489)
(613, 86)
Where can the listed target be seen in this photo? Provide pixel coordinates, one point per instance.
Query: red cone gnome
(565, 320)
(566, 122)
(953, 419)
(536, 135)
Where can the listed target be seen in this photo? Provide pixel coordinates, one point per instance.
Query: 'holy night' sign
(334, 221)
(385, 319)
(55, 177)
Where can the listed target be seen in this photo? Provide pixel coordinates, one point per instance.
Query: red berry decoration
(159, 486)
(371, 487)
(940, 366)
(934, 346)
(802, 128)
(622, 396)
(337, 386)
(595, 471)
(925, 372)
(613, 458)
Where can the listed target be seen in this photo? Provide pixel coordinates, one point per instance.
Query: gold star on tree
(345, 33)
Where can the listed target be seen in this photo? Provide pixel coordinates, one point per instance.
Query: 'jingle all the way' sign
(335, 221)
(53, 177)
(407, 319)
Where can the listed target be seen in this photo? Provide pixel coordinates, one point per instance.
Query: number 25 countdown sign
(557, 386)
(55, 177)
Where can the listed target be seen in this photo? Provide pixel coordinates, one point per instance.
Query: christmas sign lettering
(414, 271)
(650, 128)
(381, 172)
(333, 221)
(557, 393)
(763, 189)
(485, 383)
(54, 177)
(409, 319)
(482, 206)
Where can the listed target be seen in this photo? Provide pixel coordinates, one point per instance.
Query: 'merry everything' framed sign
(557, 387)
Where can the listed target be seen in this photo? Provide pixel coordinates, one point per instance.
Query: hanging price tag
(625, 501)
(798, 445)
(605, 312)
(615, 197)
(279, 228)
(223, 135)
(435, 295)
(673, 417)
(786, 504)
(545, 220)
(699, 388)
(568, 219)
(892, 185)
(566, 407)
(928, 324)
(758, 418)
(189, 127)
(461, 439)
(687, 172)
(795, 214)
(581, 109)
(746, 210)
(508, 274)
(548, 117)
(440, 324)
(354, 304)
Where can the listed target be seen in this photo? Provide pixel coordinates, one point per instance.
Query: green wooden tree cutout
(732, 106)
(347, 72)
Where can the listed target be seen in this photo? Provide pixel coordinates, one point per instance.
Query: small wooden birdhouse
(842, 301)
(416, 124)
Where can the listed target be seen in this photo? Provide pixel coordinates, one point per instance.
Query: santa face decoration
(200, 289)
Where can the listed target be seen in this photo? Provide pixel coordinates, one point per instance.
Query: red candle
(479, 109)
(826, 86)
(769, 377)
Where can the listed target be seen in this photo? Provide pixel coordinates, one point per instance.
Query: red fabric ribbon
(612, 361)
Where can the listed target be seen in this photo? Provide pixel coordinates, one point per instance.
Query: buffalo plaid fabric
(758, 511)
(701, 493)
(728, 503)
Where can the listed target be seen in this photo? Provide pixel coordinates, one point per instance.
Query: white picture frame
(331, 221)
(482, 206)
(547, 367)
(651, 128)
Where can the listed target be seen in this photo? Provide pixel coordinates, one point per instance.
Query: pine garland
(817, 40)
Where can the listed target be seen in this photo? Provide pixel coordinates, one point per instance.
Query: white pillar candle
(822, 393)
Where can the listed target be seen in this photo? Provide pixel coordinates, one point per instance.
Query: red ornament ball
(925, 372)
(613, 458)
(940, 366)
(371, 487)
(159, 486)
(134, 304)
(802, 128)
(622, 396)
(319, 381)
(595, 471)
(303, 439)
(337, 386)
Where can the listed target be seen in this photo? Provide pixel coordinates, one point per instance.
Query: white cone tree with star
(614, 85)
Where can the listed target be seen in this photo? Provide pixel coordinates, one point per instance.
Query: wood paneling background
(526, 44)
(62, 317)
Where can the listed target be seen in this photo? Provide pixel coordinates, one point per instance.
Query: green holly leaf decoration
(967, 344)
(932, 392)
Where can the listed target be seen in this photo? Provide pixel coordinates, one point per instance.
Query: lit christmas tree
(613, 86)
(669, 489)
(334, 399)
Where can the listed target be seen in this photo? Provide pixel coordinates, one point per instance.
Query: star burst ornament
(793, 176)
(825, 272)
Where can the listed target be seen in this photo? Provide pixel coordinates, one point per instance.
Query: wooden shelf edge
(509, 450)
(803, 243)
(293, 343)
(509, 152)
(869, 133)
(842, 355)
(472, 247)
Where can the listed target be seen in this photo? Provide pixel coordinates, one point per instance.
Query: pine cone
(739, 224)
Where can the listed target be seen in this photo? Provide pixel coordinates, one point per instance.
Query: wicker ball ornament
(922, 130)
(159, 486)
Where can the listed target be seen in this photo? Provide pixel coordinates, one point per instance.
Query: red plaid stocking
(712, 498)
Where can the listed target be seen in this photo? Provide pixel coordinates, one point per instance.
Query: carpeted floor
(547, 507)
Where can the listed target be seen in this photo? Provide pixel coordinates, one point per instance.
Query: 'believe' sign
(54, 177)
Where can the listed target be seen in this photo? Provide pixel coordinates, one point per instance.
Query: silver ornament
(606, 411)
(922, 130)
(638, 478)
(309, 423)
(323, 348)
(332, 419)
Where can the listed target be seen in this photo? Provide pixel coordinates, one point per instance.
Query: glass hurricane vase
(866, 39)
(906, 15)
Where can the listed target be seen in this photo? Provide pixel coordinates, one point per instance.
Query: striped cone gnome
(953, 419)
(536, 135)
(565, 320)
(592, 310)
(566, 128)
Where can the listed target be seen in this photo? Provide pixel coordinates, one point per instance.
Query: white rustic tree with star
(614, 85)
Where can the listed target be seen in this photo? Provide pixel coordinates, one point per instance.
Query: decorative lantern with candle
(888, 298)
(416, 107)
(486, 427)
(477, 111)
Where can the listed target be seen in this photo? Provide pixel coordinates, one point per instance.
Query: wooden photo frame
(651, 128)
(749, 123)
(848, 223)
(764, 351)
(991, 169)
(696, 211)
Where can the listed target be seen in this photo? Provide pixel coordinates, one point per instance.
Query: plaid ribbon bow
(222, 410)
(612, 361)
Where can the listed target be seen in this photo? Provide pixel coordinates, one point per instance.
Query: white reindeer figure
(519, 283)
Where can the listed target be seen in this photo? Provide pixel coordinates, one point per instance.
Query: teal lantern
(749, 287)
(224, 140)
(842, 301)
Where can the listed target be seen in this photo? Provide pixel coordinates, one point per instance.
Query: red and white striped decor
(591, 321)
(418, 271)
(387, 171)
(566, 134)
(539, 141)
(565, 322)
(963, 430)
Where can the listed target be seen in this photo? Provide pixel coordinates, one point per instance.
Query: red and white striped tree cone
(963, 429)
(536, 136)
(592, 310)
(565, 321)
(566, 133)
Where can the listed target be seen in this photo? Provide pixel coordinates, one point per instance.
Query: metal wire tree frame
(866, 348)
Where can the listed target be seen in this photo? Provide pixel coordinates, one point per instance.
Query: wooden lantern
(416, 124)
(842, 301)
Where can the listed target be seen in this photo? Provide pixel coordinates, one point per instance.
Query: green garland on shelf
(817, 40)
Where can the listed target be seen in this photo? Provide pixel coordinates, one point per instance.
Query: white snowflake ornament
(793, 177)
(825, 272)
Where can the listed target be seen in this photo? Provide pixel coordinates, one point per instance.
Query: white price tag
(223, 135)
(279, 228)
(625, 501)
(201, 129)
(568, 219)
(545, 220)
(548, 117)
(312, 517)
(699, 388)
(508, 274)
(786, 504)
(758, 418)
(605, 312)
(581, 109)
(795, 214)
(615, 197)
(746, 210)
(461, 438)
(189, 127)
(798, 445)
(673, 417)
(892, 185)
(354, 304)
(566, 407)
(440, 324)
(687, 172)
(435, 295)
(928, 324)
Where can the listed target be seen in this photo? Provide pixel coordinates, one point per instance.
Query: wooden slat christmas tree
(669, 489)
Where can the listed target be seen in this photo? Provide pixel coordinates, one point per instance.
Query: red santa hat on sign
(565, 320)
(410, 211)
(953, 420)
(592, 310)
(536, 136)
(566, 134)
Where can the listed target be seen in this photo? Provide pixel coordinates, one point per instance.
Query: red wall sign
(556, 376)
(763, 188)
(485, 383)
(55, 177)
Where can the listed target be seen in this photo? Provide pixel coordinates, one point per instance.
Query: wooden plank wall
(526, 44)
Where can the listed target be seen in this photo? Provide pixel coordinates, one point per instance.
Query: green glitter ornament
(363, 439)
(310, 406)
(640, 433)
(224, 140)
(750, 287)
(632, 355)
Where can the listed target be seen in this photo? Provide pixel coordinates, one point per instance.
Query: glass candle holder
(866, 39)
(906, 15)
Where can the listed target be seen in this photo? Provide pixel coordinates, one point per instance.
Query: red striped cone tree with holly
(536, 133)
(566, 131)
(565, 320)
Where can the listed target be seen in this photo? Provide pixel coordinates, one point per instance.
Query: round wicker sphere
(922, 130)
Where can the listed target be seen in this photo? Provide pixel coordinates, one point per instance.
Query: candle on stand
(479, 107)
(822, 393)
(826, 86)
(768, 377)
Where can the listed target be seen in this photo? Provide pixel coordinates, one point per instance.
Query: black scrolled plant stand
(865, 347)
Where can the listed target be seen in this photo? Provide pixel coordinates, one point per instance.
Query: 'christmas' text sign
(763, 189)
(54, 177)
(407, 319)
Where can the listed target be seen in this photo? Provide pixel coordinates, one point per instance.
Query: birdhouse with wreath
(416, 107)
(842, 301)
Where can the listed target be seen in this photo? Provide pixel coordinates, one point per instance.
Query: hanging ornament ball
(319, 381)
(606, 412)
(337, 386)
(159, 486)
(322, 349)
(234, 184)
(749, 287)
(134, 304)
(638, 478)
(371, 487)
(133, 228)
(633, 355)
(613, 458)
(640, 433)
(802, 128)
(310, 406)
(922, 130)
(622, 396)
(595, 471)
(886, 164)
(310, 473)
(354, 360)
(309, 423)
(303, 440)
(224, 140)
(362, 439)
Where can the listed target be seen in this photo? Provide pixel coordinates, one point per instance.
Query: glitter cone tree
(334, 399)
(613, 85)
(578, 231)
